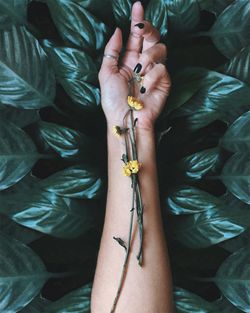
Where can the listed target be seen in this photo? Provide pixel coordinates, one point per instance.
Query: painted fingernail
(140, 25)
(142, 90)
(138, 68)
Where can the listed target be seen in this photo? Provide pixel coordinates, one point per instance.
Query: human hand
(143, 54)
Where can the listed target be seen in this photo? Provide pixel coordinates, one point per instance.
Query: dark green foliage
(53, 155)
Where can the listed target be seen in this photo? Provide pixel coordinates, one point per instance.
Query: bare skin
(146, 289)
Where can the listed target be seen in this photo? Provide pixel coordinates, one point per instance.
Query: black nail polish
(142, 90)
(138, 68)
(140, 25)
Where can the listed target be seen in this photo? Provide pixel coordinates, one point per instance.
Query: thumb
(111, 53)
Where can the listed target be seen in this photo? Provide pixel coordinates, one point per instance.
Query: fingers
(135, 39)
(111, 53)
(151, 36)
(155, 54)
(157, 78)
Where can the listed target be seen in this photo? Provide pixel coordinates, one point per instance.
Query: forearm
(147, 289)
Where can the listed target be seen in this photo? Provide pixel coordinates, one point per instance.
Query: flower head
(134, 166)
(117, 131)
(134, 103)
(126, 170)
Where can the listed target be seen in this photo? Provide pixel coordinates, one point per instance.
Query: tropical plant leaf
(218, 223)
(190, 200)
(121, 11)
(18, 232)
(19, 117)
(224, 306)
(233, 278)
(234, 244)
(156, 12)
(18, 154)
(78, 26)
(215, 6)
(77, 301)
(51, 214)
(184, 15)
(199, 164)
(230, 32)
(68, 143)
(13, 12)
(236, 176)
(22, 274)
(218, 97)
(186, 302)
(239, 65)
(26, 80)
(79, 181)
(237, 137)
(36, 306)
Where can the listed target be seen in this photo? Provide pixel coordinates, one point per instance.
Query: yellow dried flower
(117, 131)
(126, 170)
(134, 103)
(134, 166)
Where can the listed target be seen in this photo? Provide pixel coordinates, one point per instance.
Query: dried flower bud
(134, 103)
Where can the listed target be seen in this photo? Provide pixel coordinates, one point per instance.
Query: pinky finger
(156, 79)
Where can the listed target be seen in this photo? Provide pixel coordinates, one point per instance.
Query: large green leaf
(77, 301)
(17, 154)
(217, 223)
(13, 12)
(36, 306)
(76, 71)
(77, 26)
(68, 143)
(239, 65)
(79, 181)
(215, 6)
(216, 97)
(236, 176)
(122, 11)
(26, 79)
(184, 15)
(230, 32)
(23, 234)
(157, 14)
(224, 306)
(234, 244)
(22, 274)
(237, 137)
(19, 117)
(187, 302)
(51, 214)
(199, 164)
(233, 278)
(190, 200)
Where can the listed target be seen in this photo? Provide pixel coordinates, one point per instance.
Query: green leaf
(13, 12)
(233, 278)
(17, 154)
(23, 234)
(77, 301)
(237, 243)
(216, 97)
(218, 223)
(77, 26)
(239, 66)
(224, 306)
(51, 214)
(156, 12)
(19, 117)
(36, 306)
(26, 80)
(79, 181)
(184, 15)
(190, 200)
(215, 6)
(22, 274)
(237, 137)
(186, 302)
(199, 164)
(68, 143)
(236, 176)
(230, 32)
(122, 11)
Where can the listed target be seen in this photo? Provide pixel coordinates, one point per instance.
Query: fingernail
(138, 68)
(142, 90)
(140, 25)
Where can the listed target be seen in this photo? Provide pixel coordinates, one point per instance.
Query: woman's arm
(146, 289)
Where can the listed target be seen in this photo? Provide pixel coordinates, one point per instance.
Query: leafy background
(53, 150)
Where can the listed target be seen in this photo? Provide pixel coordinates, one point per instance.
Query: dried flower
(134, 166)
(117, 131)
(134, 103)
(126, 170)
